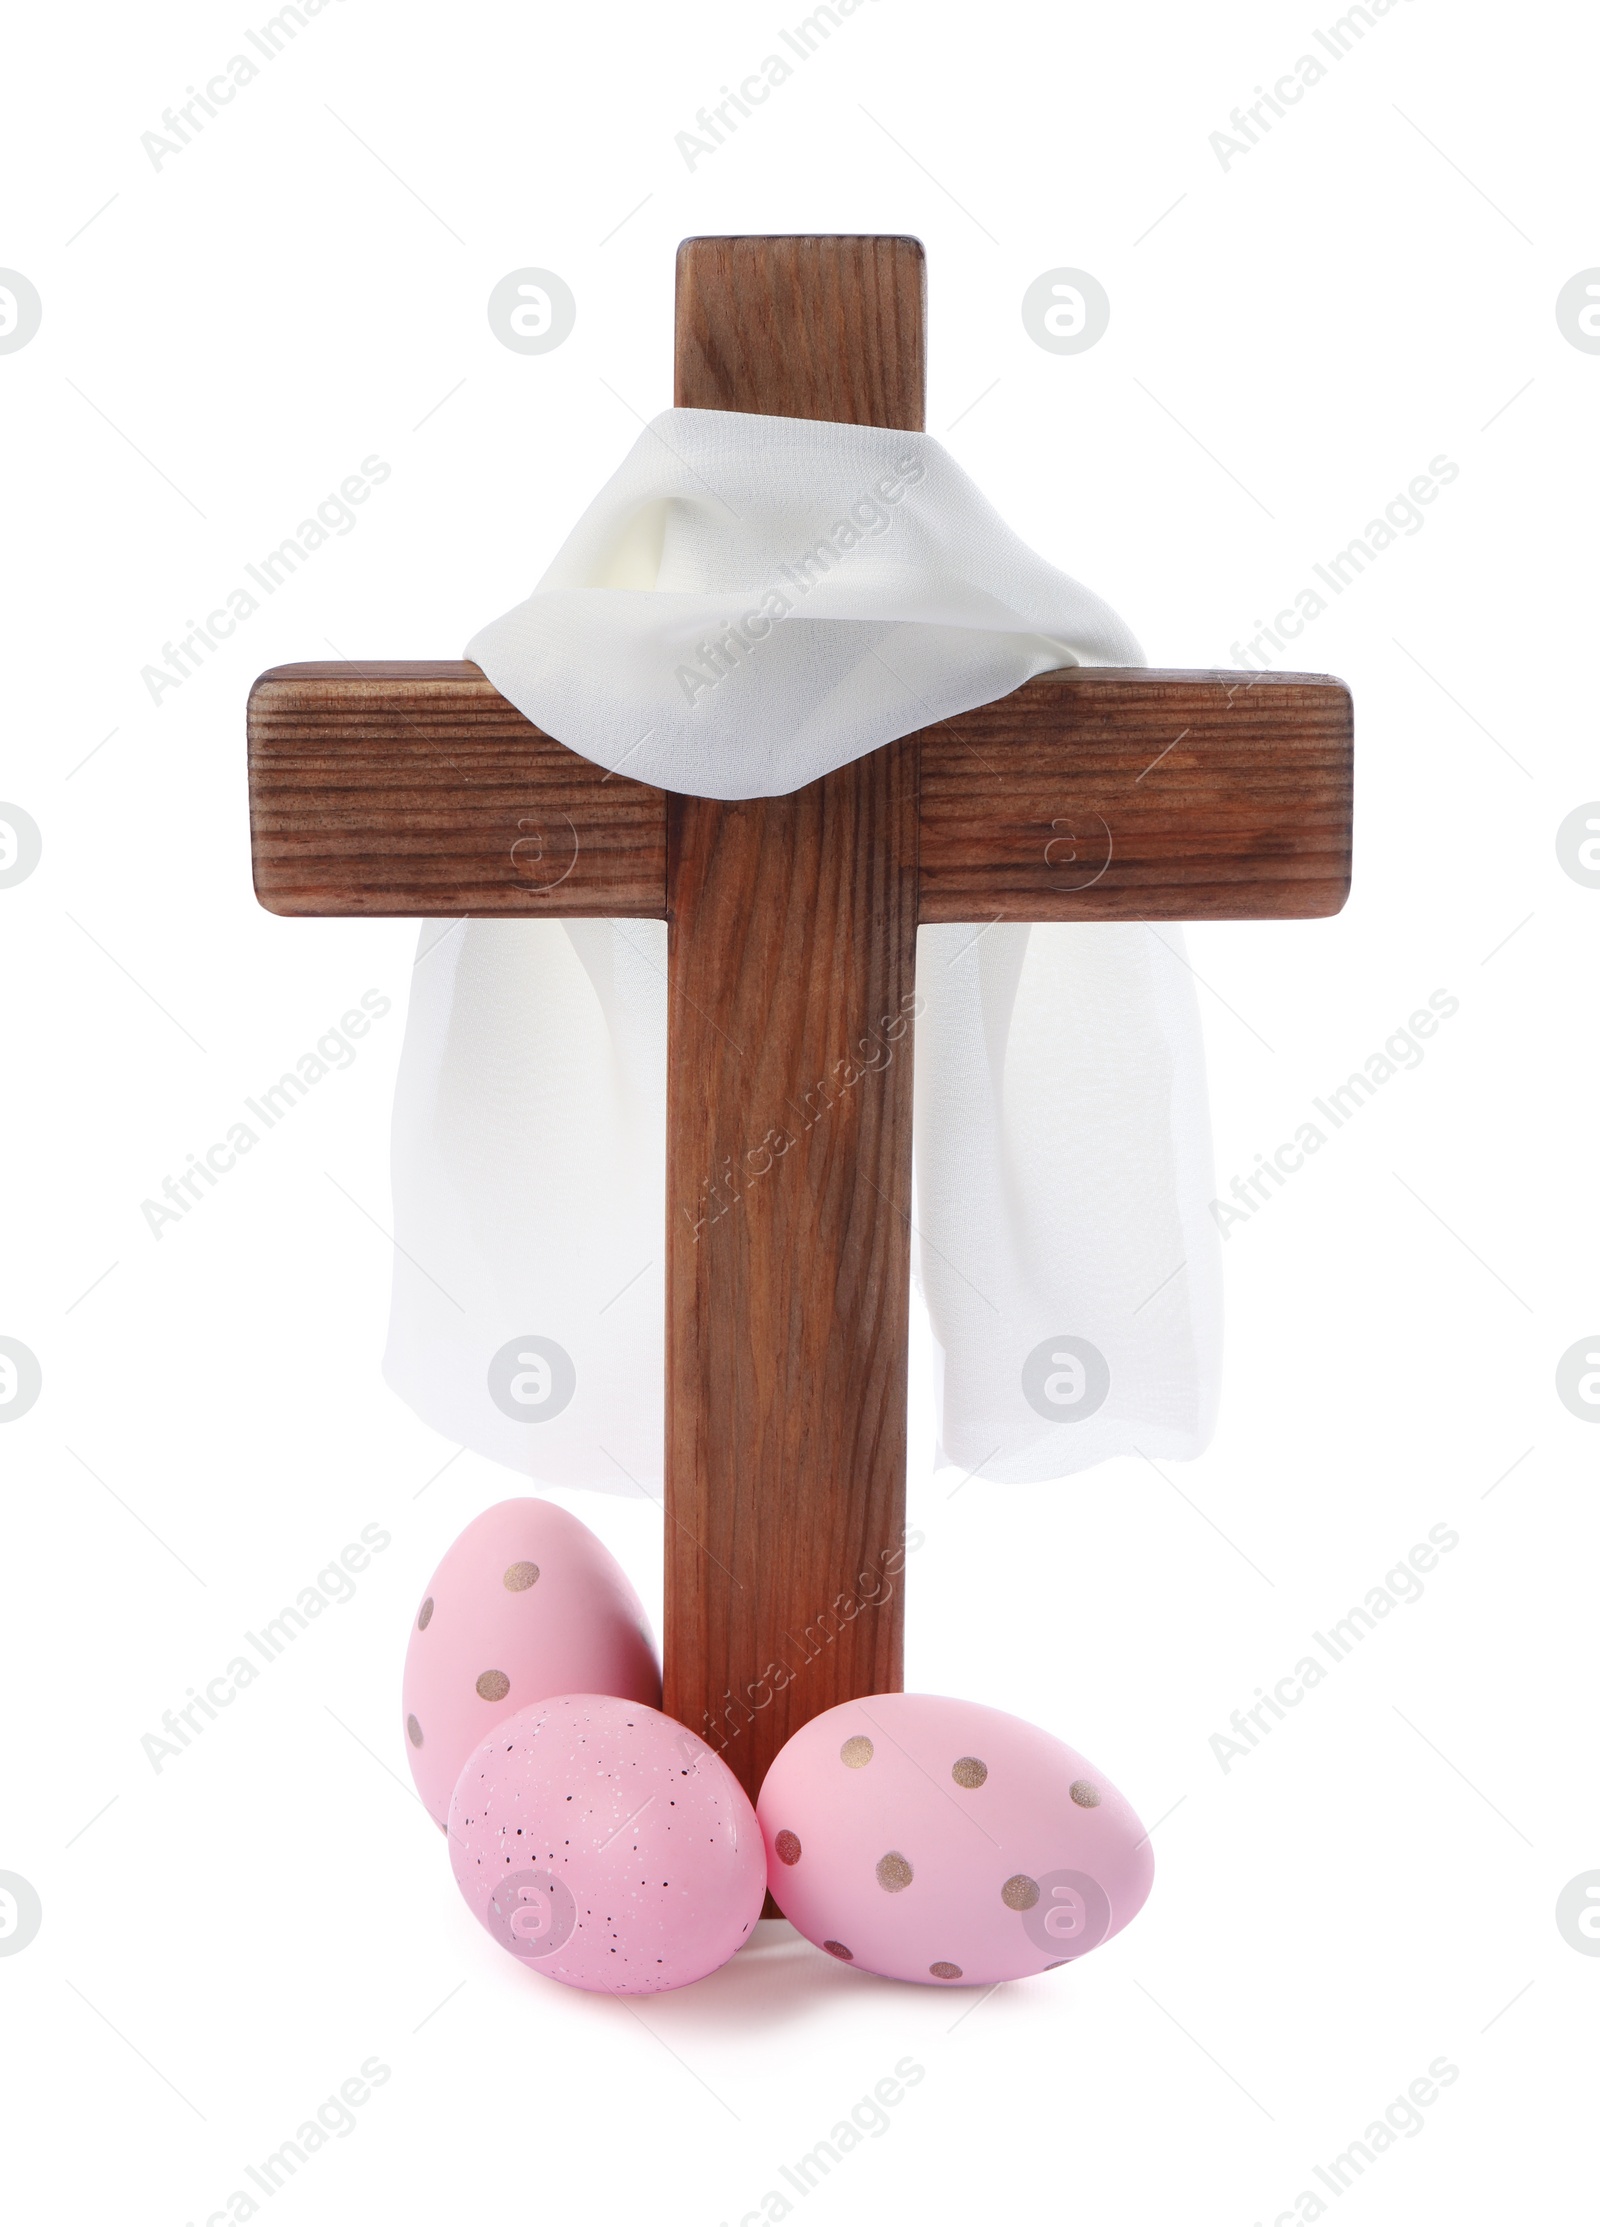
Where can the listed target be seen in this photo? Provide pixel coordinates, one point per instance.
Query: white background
(1292, 340)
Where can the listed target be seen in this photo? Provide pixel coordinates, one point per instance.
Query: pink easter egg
(526, 1603)
(607, 1846)
(940, 1841)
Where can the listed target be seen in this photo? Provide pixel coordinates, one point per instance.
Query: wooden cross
(1085, 795)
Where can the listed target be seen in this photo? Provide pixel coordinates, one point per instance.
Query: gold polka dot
(894, 1873)
(856, 1752)
(837, 1948)
(494, 1685)
(968, 1771)
(1085, 1793)
(945, 1971)
(520, 1576)
(425, 1614)
(788, 1847)
(1020, 1892)
(414, 1732)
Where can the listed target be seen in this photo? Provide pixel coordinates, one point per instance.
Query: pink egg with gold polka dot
(941, 1841)
(527, 1603)
(606, 1846)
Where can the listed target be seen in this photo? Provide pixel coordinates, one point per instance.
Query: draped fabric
(748, 603)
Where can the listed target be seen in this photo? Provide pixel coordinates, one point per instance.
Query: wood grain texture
(791, 969)
(824, 326)
(1106, 795)
(791, 985)
(417, 789)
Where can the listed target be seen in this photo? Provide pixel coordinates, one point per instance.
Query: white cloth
(748, 603)
(851, 584)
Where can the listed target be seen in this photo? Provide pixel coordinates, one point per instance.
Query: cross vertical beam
(791, 977)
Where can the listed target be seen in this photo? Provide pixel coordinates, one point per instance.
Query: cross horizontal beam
(1089, 794)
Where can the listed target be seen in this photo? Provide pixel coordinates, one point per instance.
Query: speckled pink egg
(607, 1846)
(940, 1841)
(526, 1603)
